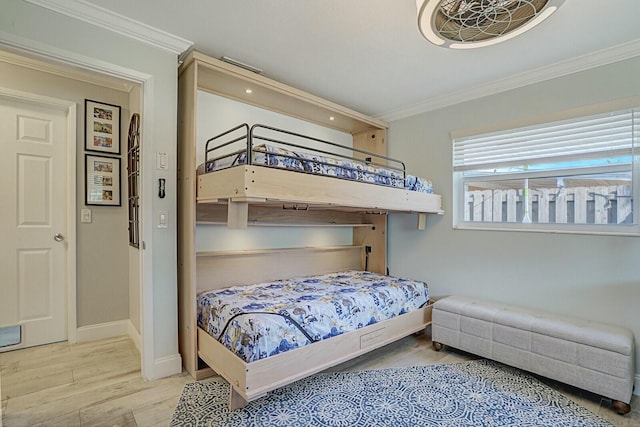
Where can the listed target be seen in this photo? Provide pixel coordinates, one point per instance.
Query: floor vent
(10, 335)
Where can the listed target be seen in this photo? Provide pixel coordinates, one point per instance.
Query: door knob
(58, 237)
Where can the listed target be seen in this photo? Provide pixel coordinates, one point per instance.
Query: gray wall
(590, 276)
(102, 263)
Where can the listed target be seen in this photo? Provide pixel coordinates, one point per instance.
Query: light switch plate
(163, 219)
(85, 215)
(162, 161)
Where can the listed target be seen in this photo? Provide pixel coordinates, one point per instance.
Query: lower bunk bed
(263, 336)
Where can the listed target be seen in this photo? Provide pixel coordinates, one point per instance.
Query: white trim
(167, 366)
(72, 302)
(70, 238)
(135, 336)
(65, 71)
(146, 236)
(581, 63)
(103, 330)
(120, 24)
(52, 53)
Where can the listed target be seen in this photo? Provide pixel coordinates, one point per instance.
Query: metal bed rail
(267, 134)
(236, 137)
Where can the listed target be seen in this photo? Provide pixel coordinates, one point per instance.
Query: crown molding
(101, 17)
(581, 63)
(66, 71)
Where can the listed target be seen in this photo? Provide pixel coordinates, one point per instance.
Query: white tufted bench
(588, 355)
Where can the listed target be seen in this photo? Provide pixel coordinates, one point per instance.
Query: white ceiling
(369, 55)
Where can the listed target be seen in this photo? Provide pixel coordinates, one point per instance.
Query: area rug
(475, 393)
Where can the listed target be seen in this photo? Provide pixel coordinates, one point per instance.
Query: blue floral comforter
(265, 319)
(277, 157)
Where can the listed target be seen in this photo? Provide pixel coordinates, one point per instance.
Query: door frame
(49, 53)
(70, 108)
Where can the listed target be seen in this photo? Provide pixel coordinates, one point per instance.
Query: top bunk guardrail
(273, 147)
(268, 154)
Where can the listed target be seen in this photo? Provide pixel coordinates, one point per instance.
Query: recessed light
(332, 118)
(247, 91)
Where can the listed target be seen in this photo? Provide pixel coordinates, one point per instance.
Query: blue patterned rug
(475, 393)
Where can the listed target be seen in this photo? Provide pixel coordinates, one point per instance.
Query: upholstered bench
(585, 354)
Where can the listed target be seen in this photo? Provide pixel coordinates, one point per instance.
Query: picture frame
(102, 180)
(102, 127)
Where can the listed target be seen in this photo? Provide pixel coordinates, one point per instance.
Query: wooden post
(487, 205)
(512, 203)
(498, 195)
(600, 198)
(477, 206)
(580, 205)
(623, 196)
(237, 215)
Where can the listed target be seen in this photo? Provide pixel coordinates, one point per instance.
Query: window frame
(459, 180)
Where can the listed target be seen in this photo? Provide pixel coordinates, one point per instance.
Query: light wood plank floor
(99, 384)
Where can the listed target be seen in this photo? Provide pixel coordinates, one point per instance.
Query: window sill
(620, 230)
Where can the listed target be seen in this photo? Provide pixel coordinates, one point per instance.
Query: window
(573, 175)
(133, 180)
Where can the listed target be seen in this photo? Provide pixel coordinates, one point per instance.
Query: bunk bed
(235, 185)
(262, 164)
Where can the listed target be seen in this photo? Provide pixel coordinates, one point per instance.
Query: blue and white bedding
(261, 320)
(277, 157)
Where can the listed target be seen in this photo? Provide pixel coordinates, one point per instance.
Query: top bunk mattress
(262, 320)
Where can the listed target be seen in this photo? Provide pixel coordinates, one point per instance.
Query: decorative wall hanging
(133, 179)
(102, 180)
(102, 127)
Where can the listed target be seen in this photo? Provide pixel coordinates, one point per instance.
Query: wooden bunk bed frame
(240, 185)
(252, 195)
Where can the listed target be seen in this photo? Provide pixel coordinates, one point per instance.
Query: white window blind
(603, 135)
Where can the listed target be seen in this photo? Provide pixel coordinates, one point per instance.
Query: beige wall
(589, 276)
(102, 263)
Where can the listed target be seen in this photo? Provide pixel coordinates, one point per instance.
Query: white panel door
(33, 215)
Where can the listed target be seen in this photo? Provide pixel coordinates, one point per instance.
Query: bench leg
(436, 345)
(621, 407)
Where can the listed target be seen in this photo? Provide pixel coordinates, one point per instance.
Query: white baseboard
(167, 366)
(102, 331)
(135, 336)
(163, 367)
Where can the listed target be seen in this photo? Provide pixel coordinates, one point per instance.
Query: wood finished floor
(99, 384)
